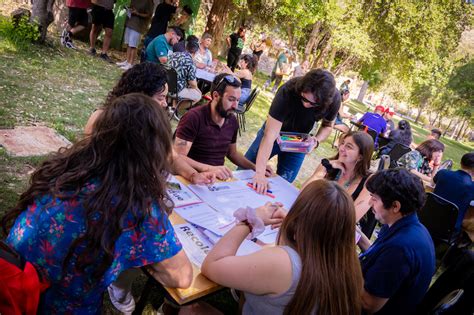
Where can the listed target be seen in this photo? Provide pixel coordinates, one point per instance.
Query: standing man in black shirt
(159, 24)
(298, 104)
(235, 42)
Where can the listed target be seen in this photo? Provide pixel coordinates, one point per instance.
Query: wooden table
(201, 286)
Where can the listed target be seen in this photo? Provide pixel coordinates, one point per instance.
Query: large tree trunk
(330, 61)
(312, 40)
(42, 14)
(215, 23)
(319, 62)
(363, 90)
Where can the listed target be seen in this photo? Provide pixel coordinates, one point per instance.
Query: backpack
(20, 284)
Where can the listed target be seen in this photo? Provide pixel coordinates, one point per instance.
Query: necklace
(348, 183)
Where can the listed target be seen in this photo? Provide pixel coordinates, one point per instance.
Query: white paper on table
(181, 196)
(248, 247)
(206, 75)
(283, 191)
(268, 236)
(245, 175)
(226, 197)
(204, 216)
(195, 244)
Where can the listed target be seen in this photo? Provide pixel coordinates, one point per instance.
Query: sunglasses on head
(228, 78)
(304, 99)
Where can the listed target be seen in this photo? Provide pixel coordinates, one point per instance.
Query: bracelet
(435, 164)
(317, 144)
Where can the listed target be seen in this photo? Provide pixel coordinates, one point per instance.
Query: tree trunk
(420, 109)
(215, 24)
(449, 126)
(319, 62)
(42, 14)
(465, 133)
(312, 40)
(460, 130)
(330, 60)
(363, 90)
(455, 129)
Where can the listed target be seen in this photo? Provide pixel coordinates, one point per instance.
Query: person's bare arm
(192, 84)
(227, 40)
(272, 131)
(90, 123)
(174, 272)
(182, 147)
(324, 131)
(163, 60)
(319, 173)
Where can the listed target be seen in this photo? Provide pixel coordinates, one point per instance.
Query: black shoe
(92, 51)
(106, 57)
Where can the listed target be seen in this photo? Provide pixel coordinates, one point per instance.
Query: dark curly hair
(321, 84)
(398, 185)
(251, 61)
(148, 78)
(127, 154)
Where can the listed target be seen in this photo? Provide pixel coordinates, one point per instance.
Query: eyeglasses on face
(304, 99)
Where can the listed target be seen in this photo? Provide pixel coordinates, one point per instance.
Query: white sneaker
(123, 63)
(126, 66)
(124, 303)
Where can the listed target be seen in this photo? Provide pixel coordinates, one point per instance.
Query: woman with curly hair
(99, 208)
(150, 79)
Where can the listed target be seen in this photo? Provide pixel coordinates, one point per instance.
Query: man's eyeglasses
(304, 99)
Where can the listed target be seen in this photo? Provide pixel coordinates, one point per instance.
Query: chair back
(172, 77)
(397, 152)
(439, 216)
(252, 97)
(446, 165)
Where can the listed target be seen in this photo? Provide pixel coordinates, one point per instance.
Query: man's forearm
(241, 161)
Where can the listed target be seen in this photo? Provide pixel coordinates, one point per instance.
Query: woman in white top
(316, 244)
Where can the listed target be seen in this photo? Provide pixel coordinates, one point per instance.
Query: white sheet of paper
(182, 196)
(283, 191)
(195, 244)
(245, 175)
(269, 236)
(226, 197)
(204, 216)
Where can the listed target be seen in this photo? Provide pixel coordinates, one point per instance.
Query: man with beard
(208, 133)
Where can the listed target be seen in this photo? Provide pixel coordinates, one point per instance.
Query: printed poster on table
(179, 193)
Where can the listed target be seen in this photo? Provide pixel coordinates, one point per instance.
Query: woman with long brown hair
(350, 168)
(100, 208)
(314, 267)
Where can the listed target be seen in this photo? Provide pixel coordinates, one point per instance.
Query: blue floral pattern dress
(45, 231)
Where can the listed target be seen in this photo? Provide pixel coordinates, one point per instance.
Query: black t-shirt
(160, 20)
(236, 44)
(288, 108)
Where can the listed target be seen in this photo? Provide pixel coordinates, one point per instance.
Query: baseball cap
(390, 110)
(380, 107)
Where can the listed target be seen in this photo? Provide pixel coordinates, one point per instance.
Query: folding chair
(439, 216)
(396, 153)
(178, 105)
(247, 105)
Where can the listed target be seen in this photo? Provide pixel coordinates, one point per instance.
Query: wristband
(435, 164)
(249, 216)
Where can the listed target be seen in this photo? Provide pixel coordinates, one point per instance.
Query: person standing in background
(159, 24)
(102, 16)
(77, 20)
(139, 15)
(235, 42)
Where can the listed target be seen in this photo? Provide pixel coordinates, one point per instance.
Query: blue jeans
(289, 163)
